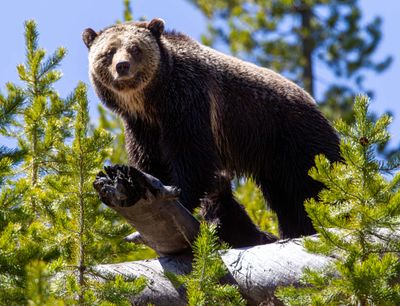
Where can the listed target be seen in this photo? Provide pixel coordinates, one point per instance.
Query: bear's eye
(111, 52)
(135, 50)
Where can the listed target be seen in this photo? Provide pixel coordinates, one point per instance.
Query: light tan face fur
(124, 43)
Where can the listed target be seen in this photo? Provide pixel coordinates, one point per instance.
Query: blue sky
(60, 23)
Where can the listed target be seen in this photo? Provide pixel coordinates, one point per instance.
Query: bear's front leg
(196, 173)
(142, 141)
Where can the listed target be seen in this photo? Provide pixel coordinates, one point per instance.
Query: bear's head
(124, 57)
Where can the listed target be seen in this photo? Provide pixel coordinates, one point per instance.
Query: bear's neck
(133, 103)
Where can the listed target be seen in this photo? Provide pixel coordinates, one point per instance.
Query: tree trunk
(307, 48)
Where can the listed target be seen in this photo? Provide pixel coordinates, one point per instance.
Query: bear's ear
(88, 37)
(156, 26)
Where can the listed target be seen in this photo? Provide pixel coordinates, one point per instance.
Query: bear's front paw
(115, 187)
(104, 187)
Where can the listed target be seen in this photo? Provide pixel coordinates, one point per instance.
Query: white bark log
(258, 271)
(159, 290)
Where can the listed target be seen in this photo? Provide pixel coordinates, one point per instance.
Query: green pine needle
(357, 218)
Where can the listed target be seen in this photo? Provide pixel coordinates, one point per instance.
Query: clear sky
(60, 23)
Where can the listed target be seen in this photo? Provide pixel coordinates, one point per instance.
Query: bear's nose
(123, 68)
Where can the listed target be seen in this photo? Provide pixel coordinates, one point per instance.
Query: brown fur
(191, 112)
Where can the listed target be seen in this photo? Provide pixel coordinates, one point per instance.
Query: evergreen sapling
(357, 217)
(203, 284)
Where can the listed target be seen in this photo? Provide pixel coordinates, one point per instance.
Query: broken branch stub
(150, 207)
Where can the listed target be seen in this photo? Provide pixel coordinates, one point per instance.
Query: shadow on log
(169, 228)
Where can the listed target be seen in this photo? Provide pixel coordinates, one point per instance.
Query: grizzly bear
(194, 117)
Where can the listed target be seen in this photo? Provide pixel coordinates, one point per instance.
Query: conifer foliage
(37, 119)
(203, 285)
(357, 218)
(248, 193)
(53, 227)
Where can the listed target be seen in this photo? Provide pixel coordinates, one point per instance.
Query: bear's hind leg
(289, 208)
(234, 224)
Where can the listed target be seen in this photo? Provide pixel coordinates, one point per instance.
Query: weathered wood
(258, 271)
(159, 290)
(150, 207)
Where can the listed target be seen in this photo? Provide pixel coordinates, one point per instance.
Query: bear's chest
(134, 104)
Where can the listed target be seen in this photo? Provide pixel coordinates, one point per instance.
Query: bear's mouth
(124, 78)
(127, 82)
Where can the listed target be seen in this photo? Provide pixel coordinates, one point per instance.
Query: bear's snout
(122, 68)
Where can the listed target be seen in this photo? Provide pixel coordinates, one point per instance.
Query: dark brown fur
(200, 112)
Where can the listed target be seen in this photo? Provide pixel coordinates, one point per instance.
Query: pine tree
(357, 218)
(38, 285)
(203, 285)
(127, 11)
(38, 119)
(10, 106)
(53, 227)
(81, 221)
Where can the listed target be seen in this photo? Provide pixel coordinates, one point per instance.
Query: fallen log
(167, 227)
(257, 271)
